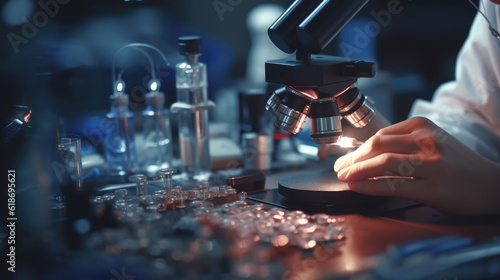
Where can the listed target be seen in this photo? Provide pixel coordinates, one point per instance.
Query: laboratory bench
(219, 233)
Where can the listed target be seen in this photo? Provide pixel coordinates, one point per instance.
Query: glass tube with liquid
(120, 143)
(191, 84)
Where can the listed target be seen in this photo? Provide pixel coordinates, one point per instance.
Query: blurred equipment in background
(15, 128)
(257, 151)
(120, 142)
(262, 49)
(252, 114)
(157, 146)
(69, 149)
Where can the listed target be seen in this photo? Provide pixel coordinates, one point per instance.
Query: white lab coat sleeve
(469, 107)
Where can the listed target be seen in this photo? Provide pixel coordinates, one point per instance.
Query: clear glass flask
(192, 105)
(157, 134)
(120, 143)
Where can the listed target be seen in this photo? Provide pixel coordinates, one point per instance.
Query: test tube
(71, 153)
(141, 182)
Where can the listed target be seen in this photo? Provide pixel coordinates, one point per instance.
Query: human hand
(415, 159)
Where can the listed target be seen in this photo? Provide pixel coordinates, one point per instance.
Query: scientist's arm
(441, 171)
(453, 157)
(469, 107)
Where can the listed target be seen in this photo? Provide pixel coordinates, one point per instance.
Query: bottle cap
(189, 45)
(119, 100)
(155, 99)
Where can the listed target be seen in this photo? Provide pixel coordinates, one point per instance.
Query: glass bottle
(120, 143)
(192, 105)
(157, 134)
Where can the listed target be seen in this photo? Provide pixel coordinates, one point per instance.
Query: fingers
(343, 162)
(379, 144)
(407, 149)
(408, 137)
(389, 164)
(398, 187)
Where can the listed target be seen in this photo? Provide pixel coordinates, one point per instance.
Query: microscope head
(320, 87)
(312, 24)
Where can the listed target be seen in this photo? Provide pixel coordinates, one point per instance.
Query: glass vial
(141, 182)
(191, 84)
(120, 143)
(157, 134)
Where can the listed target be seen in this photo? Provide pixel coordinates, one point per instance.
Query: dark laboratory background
(60, 66)
(73, 51)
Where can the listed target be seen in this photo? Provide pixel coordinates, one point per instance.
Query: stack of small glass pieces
(221, 207)
(169, 198)
(129, 207)
(277, 226)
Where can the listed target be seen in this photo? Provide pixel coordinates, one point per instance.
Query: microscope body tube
(312, 24)
(322, 25)
(283, 32)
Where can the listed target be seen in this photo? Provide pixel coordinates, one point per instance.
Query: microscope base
(321, 187)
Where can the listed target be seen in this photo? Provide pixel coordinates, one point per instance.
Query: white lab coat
(469, 107)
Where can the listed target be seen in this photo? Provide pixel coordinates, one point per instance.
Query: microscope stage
(322, 187)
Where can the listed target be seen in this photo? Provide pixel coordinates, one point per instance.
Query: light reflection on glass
(348, 142)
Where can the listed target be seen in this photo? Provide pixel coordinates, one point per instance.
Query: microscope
(319, 87)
